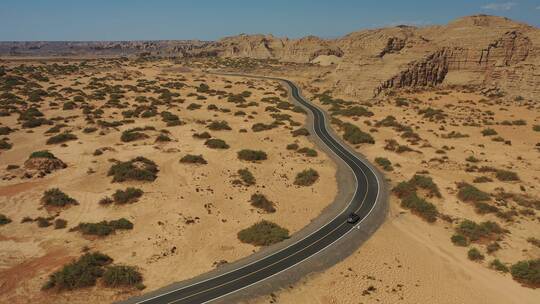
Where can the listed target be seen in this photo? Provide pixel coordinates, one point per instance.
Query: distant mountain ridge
(100, 48)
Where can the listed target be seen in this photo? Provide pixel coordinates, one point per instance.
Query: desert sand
(409, 260)
(187, 219)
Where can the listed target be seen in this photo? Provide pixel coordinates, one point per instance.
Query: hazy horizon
(190, 20)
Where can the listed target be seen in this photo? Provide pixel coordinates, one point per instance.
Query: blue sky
(210, 20)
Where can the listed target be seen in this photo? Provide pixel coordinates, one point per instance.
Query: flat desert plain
(472, 161)
(184, 219)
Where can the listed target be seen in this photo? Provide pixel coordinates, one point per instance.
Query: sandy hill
(483, 50)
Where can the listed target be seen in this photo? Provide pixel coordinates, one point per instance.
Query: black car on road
(353, 218)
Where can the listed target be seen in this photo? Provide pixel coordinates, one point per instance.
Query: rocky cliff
(302, 50)
(482, 50)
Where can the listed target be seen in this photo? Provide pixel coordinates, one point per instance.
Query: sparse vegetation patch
(56, 198)
(130, 195)
(263, 233)
(137, 169)
(306, 178)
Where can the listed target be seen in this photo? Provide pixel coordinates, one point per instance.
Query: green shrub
(293, 146)
(459, 240)
(162, 137)
(469, 193)
(300, 132)
(260, 201)
(489, 132)
(492, 247)
(482, 179)
(170, 118)
(193, 106)
(36, 122)
(61, 138)
(139, 169)
(131, 135)
(104, 228)
(252, 155)
(203, 135)
(263, 233)
(60, 224)
(354, 111)
(219, 125)
(56, 198)
(498, 265)
(536, 128)
(80, 273)
(4, 145)
(4, 219)
(121, 223)
(432, 114)
(117, 276)
(527, 272)
(258, 127)
(421, 207)
(475, 232)
(5, 130)
(43, 222)
(354, 135)
(30, 113)
(12, 167)
(306, 178)
(384, 163)
(130, 195)
(215, 143)
(106, 201)
(505, 175)
(534, 241)
(307, 152)
(404, 189)
(89, 130)
(57, 128)
(426, 182)
(247, 177)
(70, 105)
(42, 154)
(193, 159)
(475, 255)
(472, 159)
(484, 208)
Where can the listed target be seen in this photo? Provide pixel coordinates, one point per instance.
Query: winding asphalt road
(365, 197)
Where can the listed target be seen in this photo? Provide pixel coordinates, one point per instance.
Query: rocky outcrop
(512, 48)
(490, 62)
(44, 164)
(269, 47)
(426, 72)
(393, 45)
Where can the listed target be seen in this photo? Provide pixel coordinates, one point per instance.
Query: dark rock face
(393, 45)
(427, 72)
(511, 49)
(44, 165)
